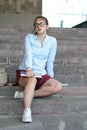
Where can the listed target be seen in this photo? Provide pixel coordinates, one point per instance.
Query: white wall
(71, 12)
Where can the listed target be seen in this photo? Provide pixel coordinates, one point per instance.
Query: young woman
(36, 69)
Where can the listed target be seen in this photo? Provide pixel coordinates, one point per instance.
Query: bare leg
(52, 86)
(29, 84)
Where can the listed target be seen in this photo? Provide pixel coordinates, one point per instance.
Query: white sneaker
(18, 94)
(27, 115)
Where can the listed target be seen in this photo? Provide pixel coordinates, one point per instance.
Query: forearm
(50, 71)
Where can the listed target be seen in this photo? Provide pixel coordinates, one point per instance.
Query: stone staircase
(64, 111)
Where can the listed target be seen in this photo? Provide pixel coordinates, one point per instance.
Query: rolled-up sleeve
(28, 52)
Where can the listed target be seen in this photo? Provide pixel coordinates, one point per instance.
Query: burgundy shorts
(40, 81)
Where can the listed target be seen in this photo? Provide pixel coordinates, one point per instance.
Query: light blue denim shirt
(39, 58)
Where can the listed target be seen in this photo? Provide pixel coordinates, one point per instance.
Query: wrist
(28, 69)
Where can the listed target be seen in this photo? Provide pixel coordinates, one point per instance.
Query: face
(40, 26)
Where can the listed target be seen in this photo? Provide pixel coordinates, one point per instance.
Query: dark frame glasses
(41, 24)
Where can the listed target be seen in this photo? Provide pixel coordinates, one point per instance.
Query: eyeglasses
(41, 24)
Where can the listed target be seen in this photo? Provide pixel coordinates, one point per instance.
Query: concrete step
(65, 121)
(64, 77)
(14, 123)
(70, 69)
(70, 90)
(71, 54)
(73, 43)
(65, 33)
(48, 105)
(72, 78)
(8, 90)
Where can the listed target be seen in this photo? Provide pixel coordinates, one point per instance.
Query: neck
(41, 36)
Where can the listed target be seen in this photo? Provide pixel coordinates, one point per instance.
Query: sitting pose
(36, 69)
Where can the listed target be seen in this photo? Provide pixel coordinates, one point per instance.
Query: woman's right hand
(29, 72)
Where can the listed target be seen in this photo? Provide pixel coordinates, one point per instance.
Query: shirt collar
(44, 39)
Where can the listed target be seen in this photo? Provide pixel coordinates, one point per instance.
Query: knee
(32, 80)
(57, 88)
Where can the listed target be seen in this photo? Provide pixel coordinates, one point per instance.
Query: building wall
(65, 13)
(19, 12)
